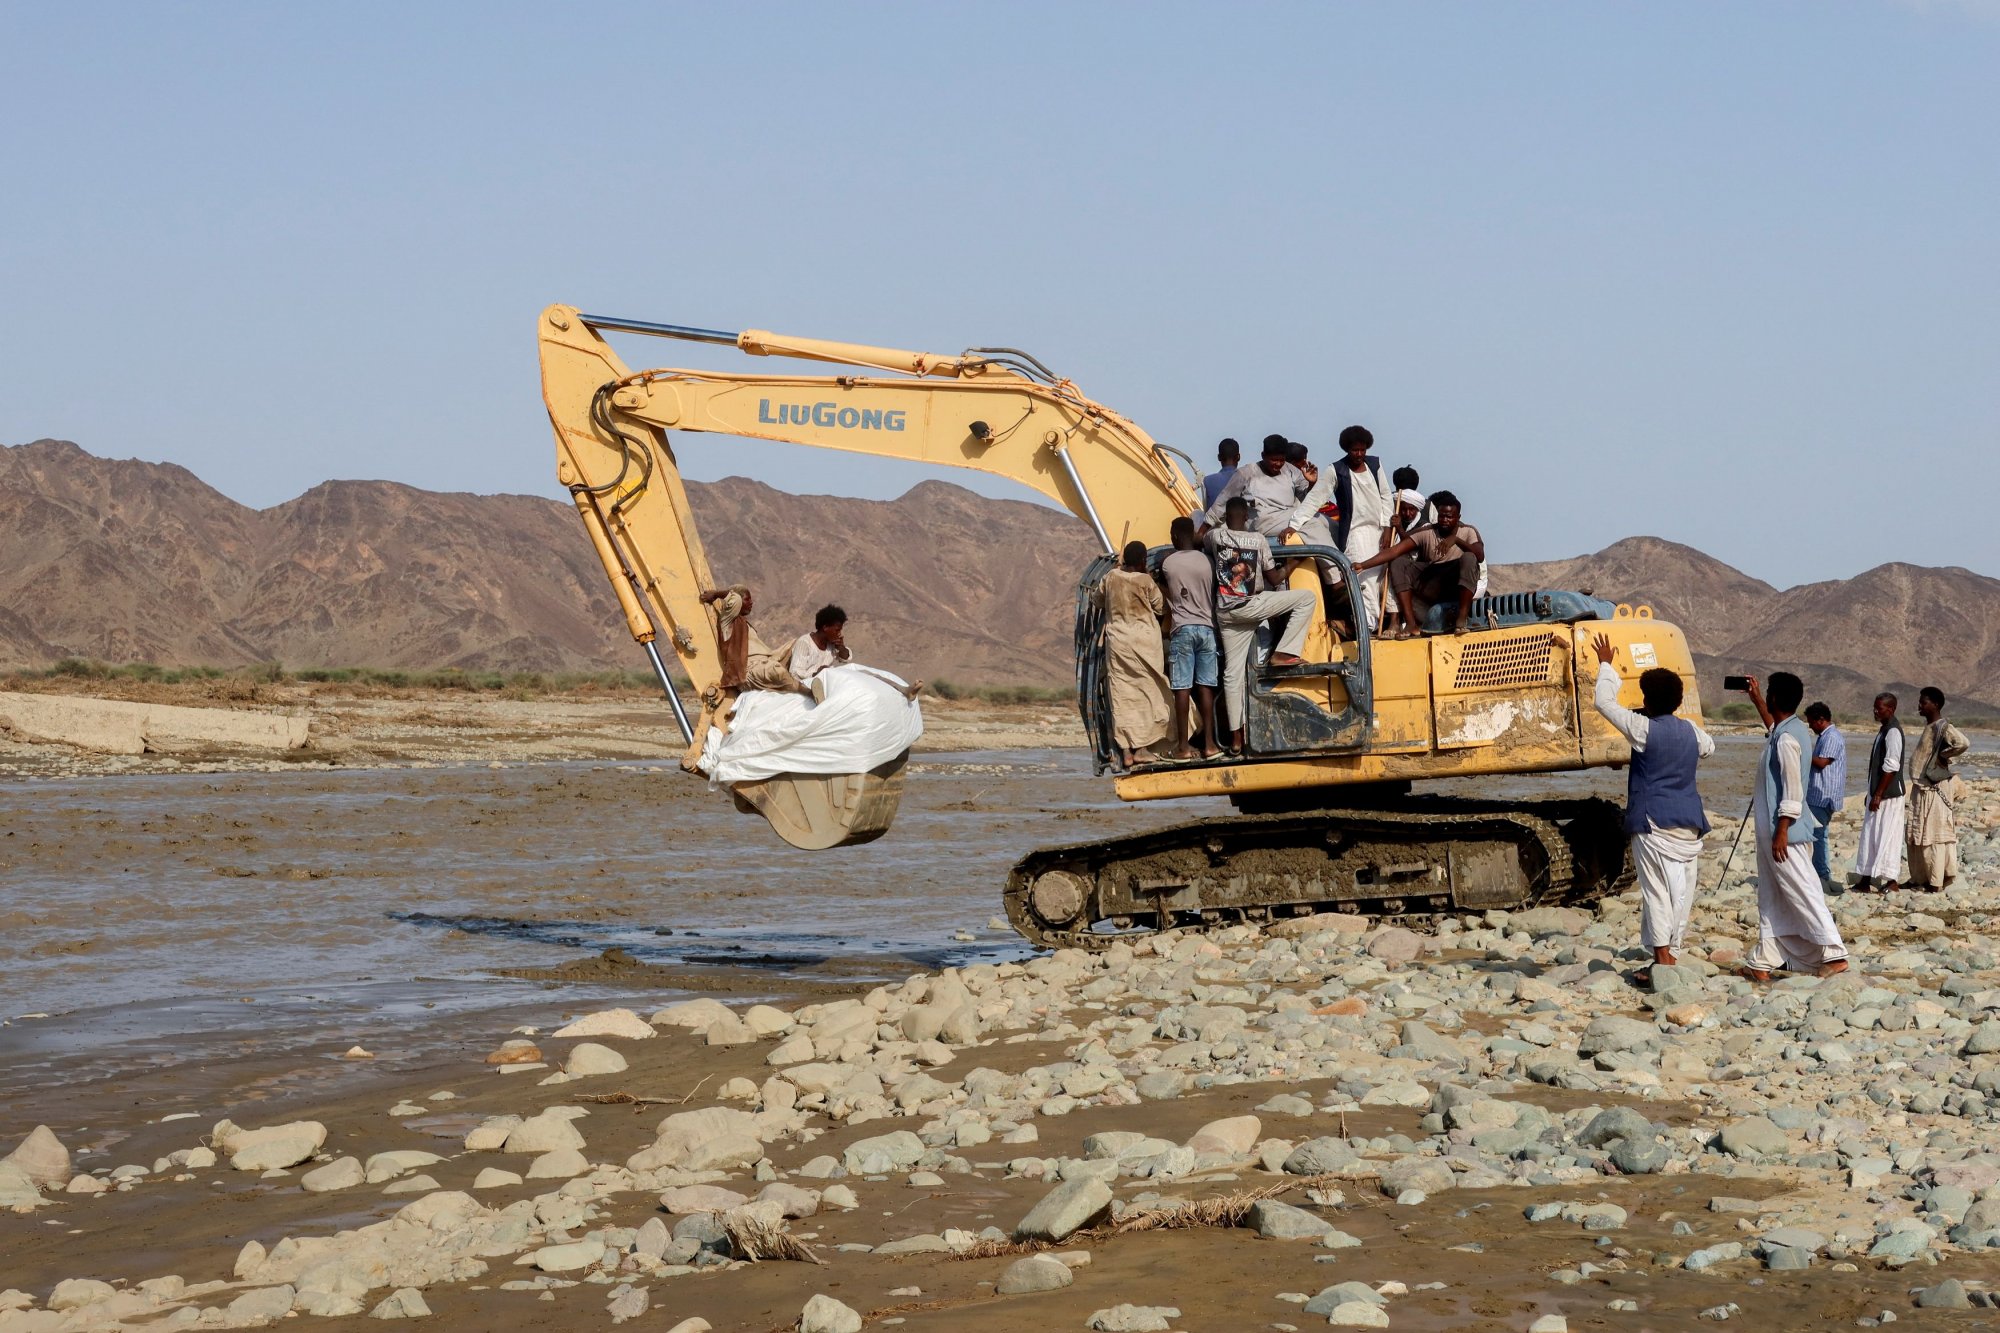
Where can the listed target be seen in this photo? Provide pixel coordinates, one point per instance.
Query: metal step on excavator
(1327, 819)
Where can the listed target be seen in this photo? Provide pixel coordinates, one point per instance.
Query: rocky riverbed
(1325, 1122)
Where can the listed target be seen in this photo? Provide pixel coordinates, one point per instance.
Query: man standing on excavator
(1243, 569)
(1230, 455)
(1271, 488)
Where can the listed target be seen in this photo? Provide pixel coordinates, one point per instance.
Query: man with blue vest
(1663, 811)
(1794, 929)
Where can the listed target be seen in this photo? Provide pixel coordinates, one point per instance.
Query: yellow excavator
(1326, 819)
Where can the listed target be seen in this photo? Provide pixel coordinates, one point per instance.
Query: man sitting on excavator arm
(747, 664)
(1434, 563)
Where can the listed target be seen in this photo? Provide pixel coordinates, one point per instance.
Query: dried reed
(757, 1240)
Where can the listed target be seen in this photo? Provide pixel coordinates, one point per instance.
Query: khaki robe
(1135, 659)
(1932, 832)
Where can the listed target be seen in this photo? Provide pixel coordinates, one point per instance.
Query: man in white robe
(1878, 864)
(1367, 513)
(1663, 809)
(1795, 931)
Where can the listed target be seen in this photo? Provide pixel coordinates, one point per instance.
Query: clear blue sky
(1727, 273)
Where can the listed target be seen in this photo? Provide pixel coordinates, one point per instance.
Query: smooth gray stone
(1640, 1157)
(1753, 1136)
(1282, 1221)
(1068, 1207)
(1946, 1295)
(1341, 1294)
(1620, 1122)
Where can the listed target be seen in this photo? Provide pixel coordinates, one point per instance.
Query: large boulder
(879, 1156)
(608, 1023)
(1612, 1034)
(1067, 1208)
(42, 1158)
(1037, 1272)
(1318, 1156)
(824, 1314)
(543, 1133)
(1233, 1137)
(709, 1139)
(271, 1148)
(1753, 1136)
(695, 1015)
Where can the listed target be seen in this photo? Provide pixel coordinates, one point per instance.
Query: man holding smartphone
(1795, 931)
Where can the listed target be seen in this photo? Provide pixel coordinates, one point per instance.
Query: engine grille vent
(1527, 660)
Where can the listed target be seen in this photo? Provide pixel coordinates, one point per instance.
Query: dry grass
(756, 1241)
(1221, 1210)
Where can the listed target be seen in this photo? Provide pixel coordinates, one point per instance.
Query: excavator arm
(998, 412)
(995, 410)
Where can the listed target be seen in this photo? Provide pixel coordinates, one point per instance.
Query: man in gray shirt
(1270, 486)
(1189, 581)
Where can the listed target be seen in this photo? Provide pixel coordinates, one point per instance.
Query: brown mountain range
(127, 561)
(1893, 627)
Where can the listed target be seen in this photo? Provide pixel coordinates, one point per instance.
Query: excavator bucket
(815, 813)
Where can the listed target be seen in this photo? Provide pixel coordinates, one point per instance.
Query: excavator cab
(1325, 705)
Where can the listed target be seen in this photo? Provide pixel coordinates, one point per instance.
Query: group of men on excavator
(1431, 555)
(1226, 579)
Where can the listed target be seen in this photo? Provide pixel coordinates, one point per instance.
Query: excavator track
(1413, 859)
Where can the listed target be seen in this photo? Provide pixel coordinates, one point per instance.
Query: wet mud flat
(162, 920)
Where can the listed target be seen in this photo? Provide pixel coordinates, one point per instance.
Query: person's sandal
(1753, 974)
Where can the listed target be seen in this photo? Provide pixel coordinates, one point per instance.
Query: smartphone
(1736, 682)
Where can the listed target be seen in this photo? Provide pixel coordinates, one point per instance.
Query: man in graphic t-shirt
(1246, 595)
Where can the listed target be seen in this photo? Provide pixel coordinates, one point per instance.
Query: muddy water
(155, 919)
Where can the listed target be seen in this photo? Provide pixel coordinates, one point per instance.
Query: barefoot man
(1436, 563)
(1663, 811)
(746, 663)
(1794, 928)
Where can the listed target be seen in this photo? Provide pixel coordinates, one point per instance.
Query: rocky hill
(1895, 627)
(127, 561)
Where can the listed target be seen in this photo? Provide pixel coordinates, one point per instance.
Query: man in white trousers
(1878, 862)
(1663, 810)
(1795, 931)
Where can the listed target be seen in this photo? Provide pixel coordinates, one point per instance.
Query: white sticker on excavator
(1644, 657)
